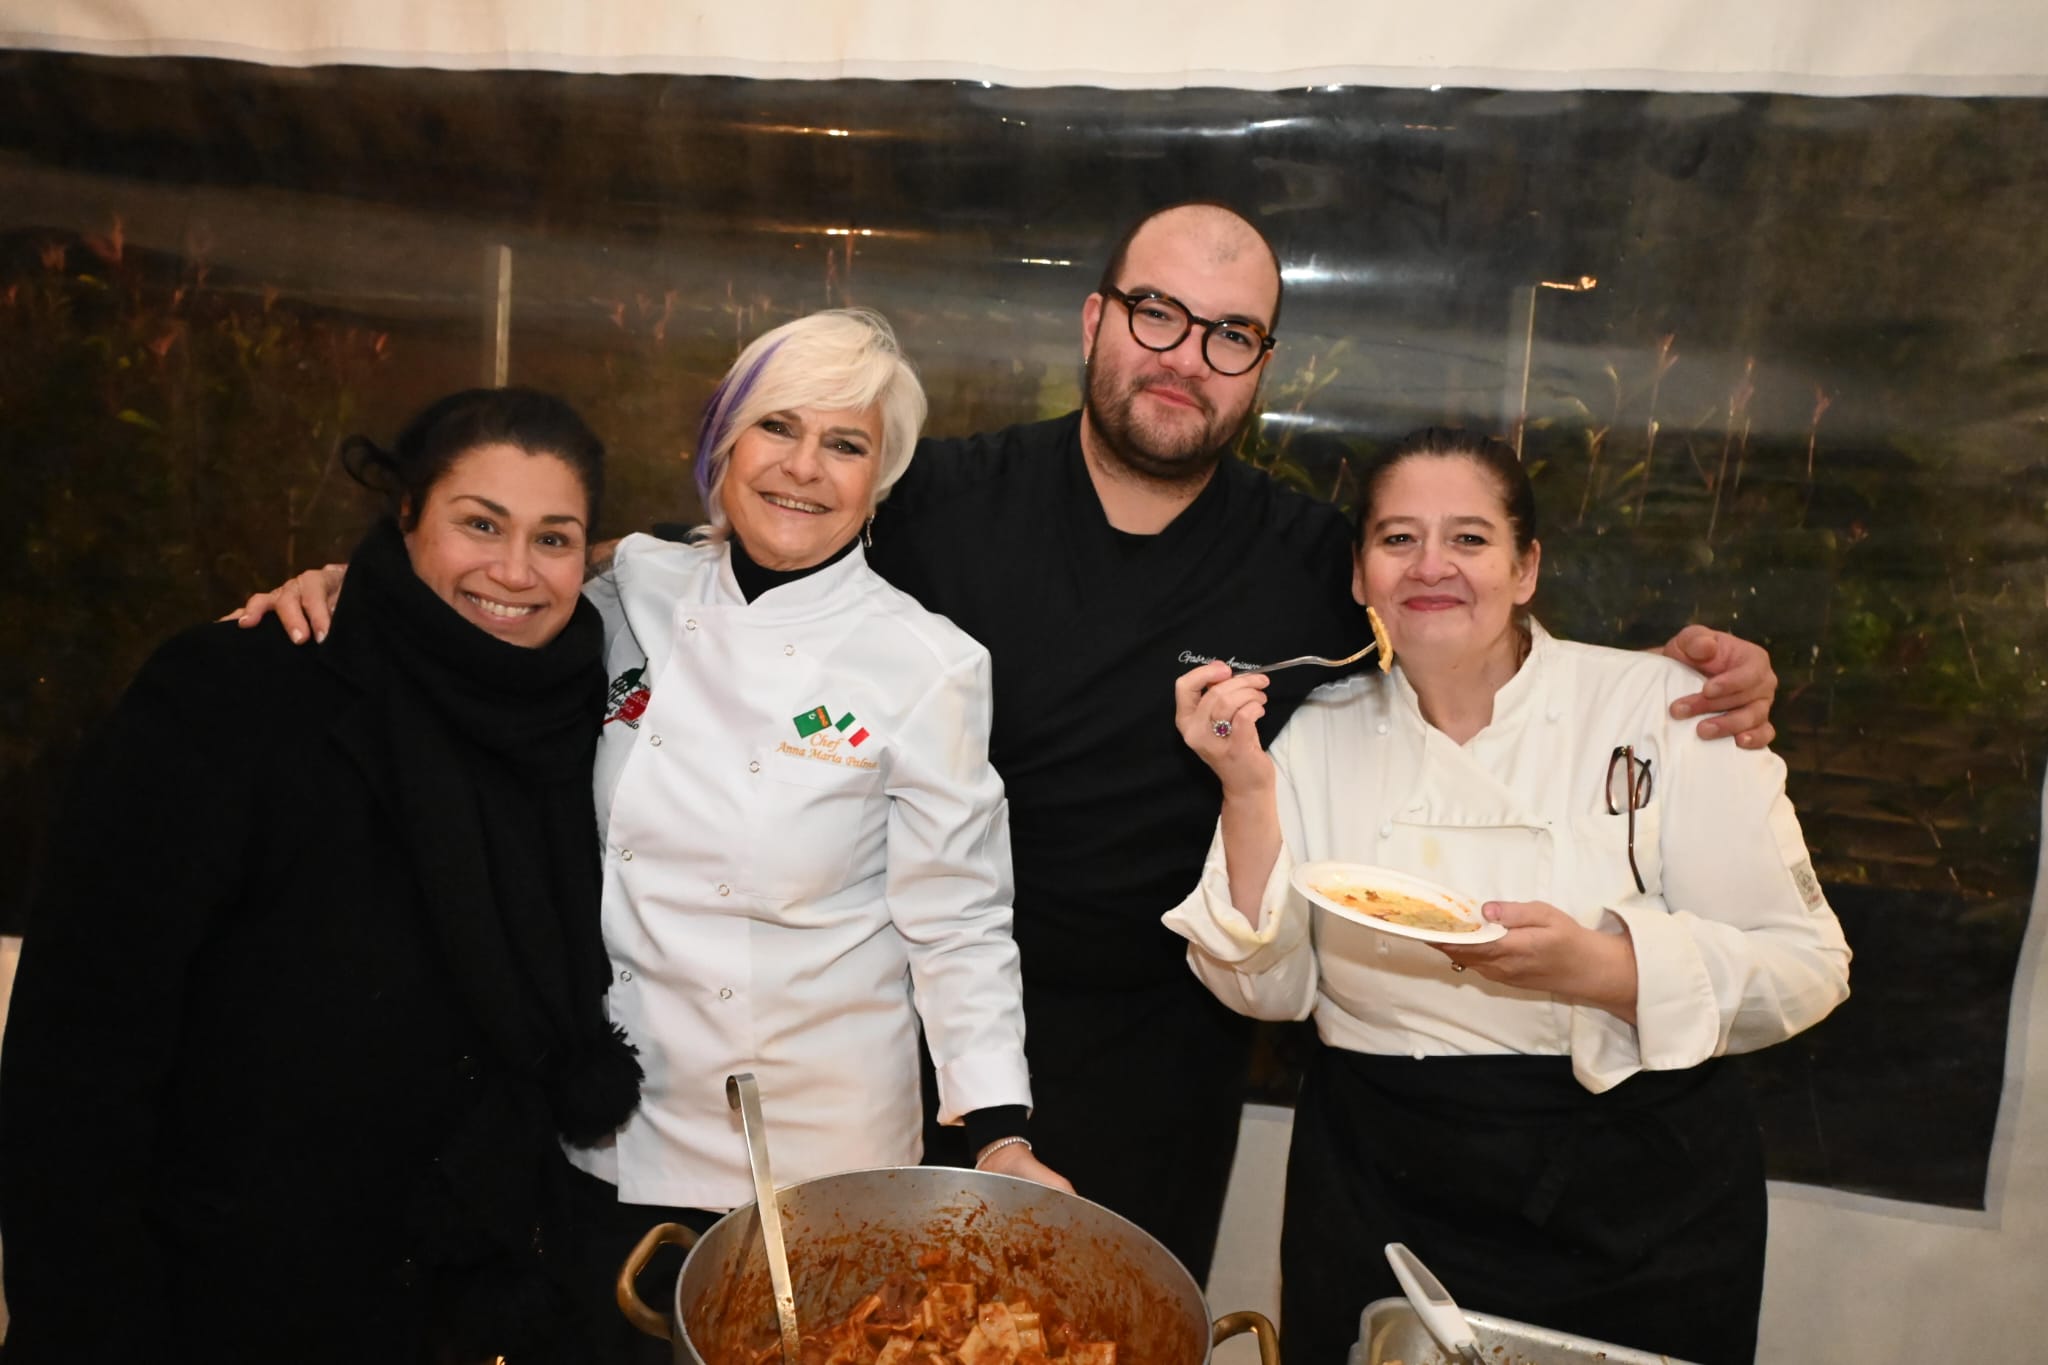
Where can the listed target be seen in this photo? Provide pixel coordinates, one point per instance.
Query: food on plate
(909, 1321)
(1395, 908)
(1380, 638)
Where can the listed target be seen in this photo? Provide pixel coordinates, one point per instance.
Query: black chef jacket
(1111, 814)
(1137, 1073)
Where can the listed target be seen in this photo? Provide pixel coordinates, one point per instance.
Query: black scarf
(492, 746)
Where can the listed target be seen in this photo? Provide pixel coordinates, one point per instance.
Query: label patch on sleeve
(1808, 884)
(628, 697)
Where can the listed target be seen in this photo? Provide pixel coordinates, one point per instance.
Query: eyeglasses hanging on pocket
(1628, 791)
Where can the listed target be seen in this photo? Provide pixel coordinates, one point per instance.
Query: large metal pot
(846, 1232)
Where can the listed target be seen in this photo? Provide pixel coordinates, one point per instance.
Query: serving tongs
(1380, 642)
(744, 1095)
(1437, 1309)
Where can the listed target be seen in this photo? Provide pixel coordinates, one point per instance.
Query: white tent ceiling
(1826, 47)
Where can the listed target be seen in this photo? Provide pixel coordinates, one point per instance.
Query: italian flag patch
(818, 718)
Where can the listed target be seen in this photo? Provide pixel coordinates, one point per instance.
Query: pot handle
(1236, 1324)
(638, 1313)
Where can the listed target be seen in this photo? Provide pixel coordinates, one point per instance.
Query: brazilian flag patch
(812, 721)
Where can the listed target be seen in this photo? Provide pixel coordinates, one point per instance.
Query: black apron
(1635, 1217)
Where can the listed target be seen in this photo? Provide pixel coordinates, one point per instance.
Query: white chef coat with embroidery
(802, 836)
(1735, 946)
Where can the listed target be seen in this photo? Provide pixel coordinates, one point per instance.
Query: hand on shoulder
(1739, 689)
(303, 605)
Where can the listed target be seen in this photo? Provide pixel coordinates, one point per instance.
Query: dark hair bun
(446, 429)
(370, 465)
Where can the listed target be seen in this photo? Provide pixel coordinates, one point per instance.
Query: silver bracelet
(998, 1146)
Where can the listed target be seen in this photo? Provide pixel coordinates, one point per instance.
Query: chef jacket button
(625, 855)
(405, 1272)
(789, 649)
(724, 890)
(1386, 829)
(467, 1066)
(655, 740)
(1381, 728)
(725, 992)
(755, 766)
(689, 625)
(625, 974)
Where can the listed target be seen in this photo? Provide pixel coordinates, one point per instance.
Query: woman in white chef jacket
(1542, 1118)
(805, 848)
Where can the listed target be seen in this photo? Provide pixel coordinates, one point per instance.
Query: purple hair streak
(726, 399)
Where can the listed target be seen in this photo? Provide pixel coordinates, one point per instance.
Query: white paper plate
(1315, 880)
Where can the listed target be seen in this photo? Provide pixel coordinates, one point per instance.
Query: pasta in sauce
(1396, 908)
(907, 1321)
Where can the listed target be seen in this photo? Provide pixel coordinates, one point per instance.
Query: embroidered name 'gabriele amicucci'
(1189, 657)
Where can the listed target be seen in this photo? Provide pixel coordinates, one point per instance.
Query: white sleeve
(1744, 952)
(1268, 972)
(950, 891)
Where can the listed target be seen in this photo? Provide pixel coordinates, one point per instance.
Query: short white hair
(840, 358)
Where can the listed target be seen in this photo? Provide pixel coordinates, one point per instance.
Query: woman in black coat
(251, 1112)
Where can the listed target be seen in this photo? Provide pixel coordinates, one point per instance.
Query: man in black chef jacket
(1098, 556)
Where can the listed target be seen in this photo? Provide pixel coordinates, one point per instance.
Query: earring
(867, 532)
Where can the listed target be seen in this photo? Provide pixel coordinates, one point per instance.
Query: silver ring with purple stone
(1221, 729)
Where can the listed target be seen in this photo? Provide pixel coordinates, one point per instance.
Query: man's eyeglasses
(1160, 322)
(1628, 789)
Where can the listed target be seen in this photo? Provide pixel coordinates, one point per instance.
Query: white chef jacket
(1735, 945)
(802, 836)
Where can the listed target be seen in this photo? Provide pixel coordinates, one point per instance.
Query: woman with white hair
(806, 850)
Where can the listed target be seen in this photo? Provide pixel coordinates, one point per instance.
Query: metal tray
(1389, 1331)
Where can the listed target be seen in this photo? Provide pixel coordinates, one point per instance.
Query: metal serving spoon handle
(742, 1094)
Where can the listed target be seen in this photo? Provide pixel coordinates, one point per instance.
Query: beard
(1164, 452)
